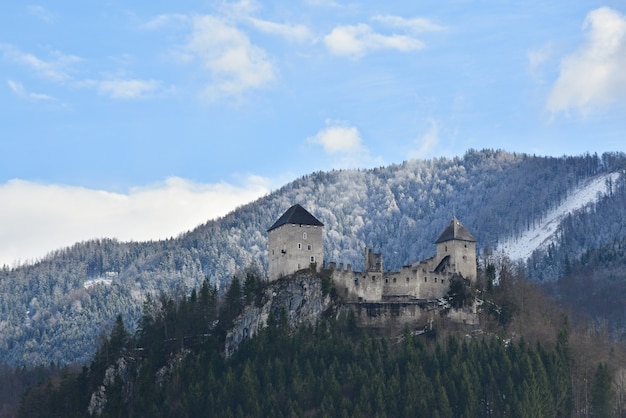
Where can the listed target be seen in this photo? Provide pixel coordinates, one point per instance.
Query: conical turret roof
(455, 231)
(296, 215)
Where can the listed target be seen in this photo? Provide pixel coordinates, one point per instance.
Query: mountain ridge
(47, 314)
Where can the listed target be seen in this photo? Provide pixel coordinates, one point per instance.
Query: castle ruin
(296, 242)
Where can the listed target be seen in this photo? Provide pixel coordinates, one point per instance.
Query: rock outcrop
(300, 296)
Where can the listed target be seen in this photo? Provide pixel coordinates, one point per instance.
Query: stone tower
(295, 242)
(459, 245)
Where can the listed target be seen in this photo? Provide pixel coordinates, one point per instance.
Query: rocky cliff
(301, 297)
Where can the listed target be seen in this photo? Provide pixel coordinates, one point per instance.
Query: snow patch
(544, 234)
(106, 280)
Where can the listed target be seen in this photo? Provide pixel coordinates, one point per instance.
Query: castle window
(435, 280)
(272, 251)
(446, 248)
(309, 247)
(304, 235)
(356, 282)
(465, 245)
(408, 279)
(394, 279)
(312, 259)
(298, 266)
(443, 281)
(299, 246)
(425, 279)
(386, 279)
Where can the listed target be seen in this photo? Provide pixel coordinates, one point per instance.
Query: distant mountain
(55, 309)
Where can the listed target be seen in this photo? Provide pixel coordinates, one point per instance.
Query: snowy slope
(542, 235)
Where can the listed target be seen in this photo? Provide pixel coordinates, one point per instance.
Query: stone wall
(390, 316)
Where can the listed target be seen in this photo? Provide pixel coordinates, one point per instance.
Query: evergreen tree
(602, 392)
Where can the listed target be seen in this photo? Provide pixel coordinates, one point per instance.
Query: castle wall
(417, 281)
(358, 286)
(294, 247)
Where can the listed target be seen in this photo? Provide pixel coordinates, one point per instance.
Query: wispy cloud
(72, 214)
(414, 25)
(41, 13)
(18, 89)
(425, 144)
(296, 33)
(58, 68)
(593, 76)
(234, 65)
(357, 40)
(128, 88)
(538, 57)
(165, 20)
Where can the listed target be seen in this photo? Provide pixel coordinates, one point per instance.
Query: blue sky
(140, 120)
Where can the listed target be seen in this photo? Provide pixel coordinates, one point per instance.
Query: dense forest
(54, 310)
(529, 362)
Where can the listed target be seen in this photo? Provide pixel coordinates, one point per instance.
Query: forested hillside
(527, 363)
(54, 309)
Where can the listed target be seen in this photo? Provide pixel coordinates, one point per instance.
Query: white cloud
(426, 144)
(234, 64)
(343, 144)
(19, 90)
(594, 75)
(71, 214)
(338, 138)
(57, 69)
(356, 40)
(297, 33)
(414, 25)
(127, 89)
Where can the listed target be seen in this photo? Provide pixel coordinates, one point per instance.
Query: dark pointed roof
(296, 215)
(455, 230)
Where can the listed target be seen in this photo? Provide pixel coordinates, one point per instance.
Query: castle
(296, 242)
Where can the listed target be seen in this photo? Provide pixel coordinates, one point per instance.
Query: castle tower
(456, 242)
(295, 242)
